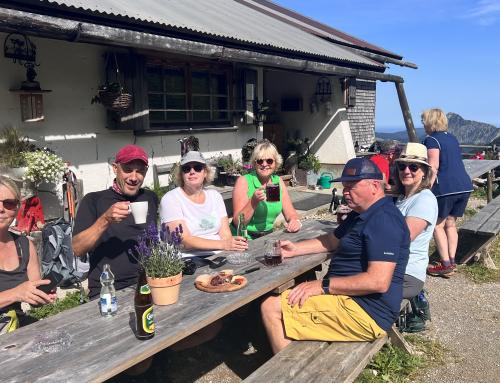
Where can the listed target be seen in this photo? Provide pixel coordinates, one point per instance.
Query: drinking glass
(272, 192)
(272, 253)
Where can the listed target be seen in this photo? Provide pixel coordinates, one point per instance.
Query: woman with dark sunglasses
(199, 210)
(19, 267)
(249, 194)
(419, 207)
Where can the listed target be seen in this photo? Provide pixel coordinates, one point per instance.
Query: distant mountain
(467, 131)
(401, 136)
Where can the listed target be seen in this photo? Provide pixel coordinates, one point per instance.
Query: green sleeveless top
(266, 212)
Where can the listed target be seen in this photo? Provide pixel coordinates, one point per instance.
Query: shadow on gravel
(229, 348)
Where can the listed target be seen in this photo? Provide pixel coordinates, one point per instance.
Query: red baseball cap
(130, 153)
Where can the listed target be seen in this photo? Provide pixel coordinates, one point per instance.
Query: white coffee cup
(139, 211)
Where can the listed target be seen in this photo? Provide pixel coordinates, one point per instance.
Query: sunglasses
(269, 161)
(197, 168)
(10, 204)
(413, 167)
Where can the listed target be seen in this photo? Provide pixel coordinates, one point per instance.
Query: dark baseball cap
(360, 168)
(130, 153)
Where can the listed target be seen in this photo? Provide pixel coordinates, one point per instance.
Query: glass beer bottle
(242, 227)
(143, 302)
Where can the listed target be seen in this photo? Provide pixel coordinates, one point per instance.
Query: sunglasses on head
(197, 168)
(260, 161)
(403, 165)
(10, 204)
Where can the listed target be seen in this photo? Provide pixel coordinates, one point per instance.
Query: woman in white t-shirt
(419, 207)
(201, 211)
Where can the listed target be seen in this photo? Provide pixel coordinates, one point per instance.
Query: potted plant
(311, 165)
(162, 262)
(43, 165)
(12, 149)
(228, 169)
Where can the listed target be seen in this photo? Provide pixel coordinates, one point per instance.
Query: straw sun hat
(414, 152)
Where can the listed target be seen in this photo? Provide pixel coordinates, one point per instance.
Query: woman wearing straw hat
(419, 207)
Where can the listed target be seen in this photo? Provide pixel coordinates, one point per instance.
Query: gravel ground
(466, 321)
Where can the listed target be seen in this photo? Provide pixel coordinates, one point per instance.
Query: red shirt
(382, 163)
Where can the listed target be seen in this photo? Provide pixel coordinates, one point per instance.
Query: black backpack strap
(23, 250)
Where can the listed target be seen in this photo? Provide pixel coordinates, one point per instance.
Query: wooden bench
(310, 361)
(479, 231)
(316, 361)
(159, 170)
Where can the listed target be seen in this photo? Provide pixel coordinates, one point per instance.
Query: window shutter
(250, 93)
(351, 92)
(132, 69)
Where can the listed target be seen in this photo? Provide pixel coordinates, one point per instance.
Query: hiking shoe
(440, 270)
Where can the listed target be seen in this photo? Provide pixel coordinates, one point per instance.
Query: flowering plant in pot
(43, 166)
(161, 260)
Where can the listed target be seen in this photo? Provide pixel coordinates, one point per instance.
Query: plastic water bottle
(109, 305)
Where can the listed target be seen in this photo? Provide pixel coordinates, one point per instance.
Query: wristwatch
(325, 284)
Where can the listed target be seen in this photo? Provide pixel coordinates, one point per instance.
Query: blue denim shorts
(452, 205)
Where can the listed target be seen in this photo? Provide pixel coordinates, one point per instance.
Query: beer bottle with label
(143, 302)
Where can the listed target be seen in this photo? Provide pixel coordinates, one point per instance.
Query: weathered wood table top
(103, 347)
(476, 168)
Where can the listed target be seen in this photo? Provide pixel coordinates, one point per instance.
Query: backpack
(57, 253)
(414, 320)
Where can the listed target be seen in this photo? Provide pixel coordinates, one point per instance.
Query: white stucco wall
(73, 72)
(330, 135)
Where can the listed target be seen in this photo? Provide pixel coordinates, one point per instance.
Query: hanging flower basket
(115, 101)
(111, 94)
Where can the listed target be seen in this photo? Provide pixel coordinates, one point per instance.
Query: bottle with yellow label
(143, 302)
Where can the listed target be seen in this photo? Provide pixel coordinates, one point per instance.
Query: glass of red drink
(272, 253)
(272, 192)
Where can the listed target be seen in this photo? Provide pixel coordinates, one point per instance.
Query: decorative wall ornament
(19, 48)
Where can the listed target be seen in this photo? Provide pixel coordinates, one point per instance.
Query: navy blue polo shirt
(452, 177)
(378, 234)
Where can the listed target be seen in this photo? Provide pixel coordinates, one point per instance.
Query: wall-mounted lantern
(19, 48)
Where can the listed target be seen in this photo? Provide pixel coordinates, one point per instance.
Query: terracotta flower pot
(165, 291)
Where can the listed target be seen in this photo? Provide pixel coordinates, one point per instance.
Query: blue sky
(455, 43)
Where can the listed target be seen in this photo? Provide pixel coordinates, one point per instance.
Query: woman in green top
(249, 194)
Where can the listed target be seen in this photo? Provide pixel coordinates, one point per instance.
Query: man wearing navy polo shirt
(360, 296)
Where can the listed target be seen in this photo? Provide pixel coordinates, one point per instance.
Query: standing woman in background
(450, 184)
(249, 195)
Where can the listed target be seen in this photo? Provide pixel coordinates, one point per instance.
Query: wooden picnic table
(476, 168)
(101, 347)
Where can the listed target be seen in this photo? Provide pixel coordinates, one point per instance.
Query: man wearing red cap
(104, 227)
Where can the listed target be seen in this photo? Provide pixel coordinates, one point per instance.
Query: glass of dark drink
(272, 253)
(273, 192)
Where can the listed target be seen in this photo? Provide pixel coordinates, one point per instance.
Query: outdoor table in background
(100, 347)
(476, 168)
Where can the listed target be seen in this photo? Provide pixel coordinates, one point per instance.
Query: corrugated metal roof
(226, 19)
(314, 26)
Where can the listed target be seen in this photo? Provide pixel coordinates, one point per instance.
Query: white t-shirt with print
(202, 220)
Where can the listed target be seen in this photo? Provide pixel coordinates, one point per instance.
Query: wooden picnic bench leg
(489, 186)
(397, 339)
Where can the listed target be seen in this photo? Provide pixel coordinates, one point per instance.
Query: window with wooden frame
(188, 94)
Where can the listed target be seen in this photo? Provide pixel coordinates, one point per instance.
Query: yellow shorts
(329, 318)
